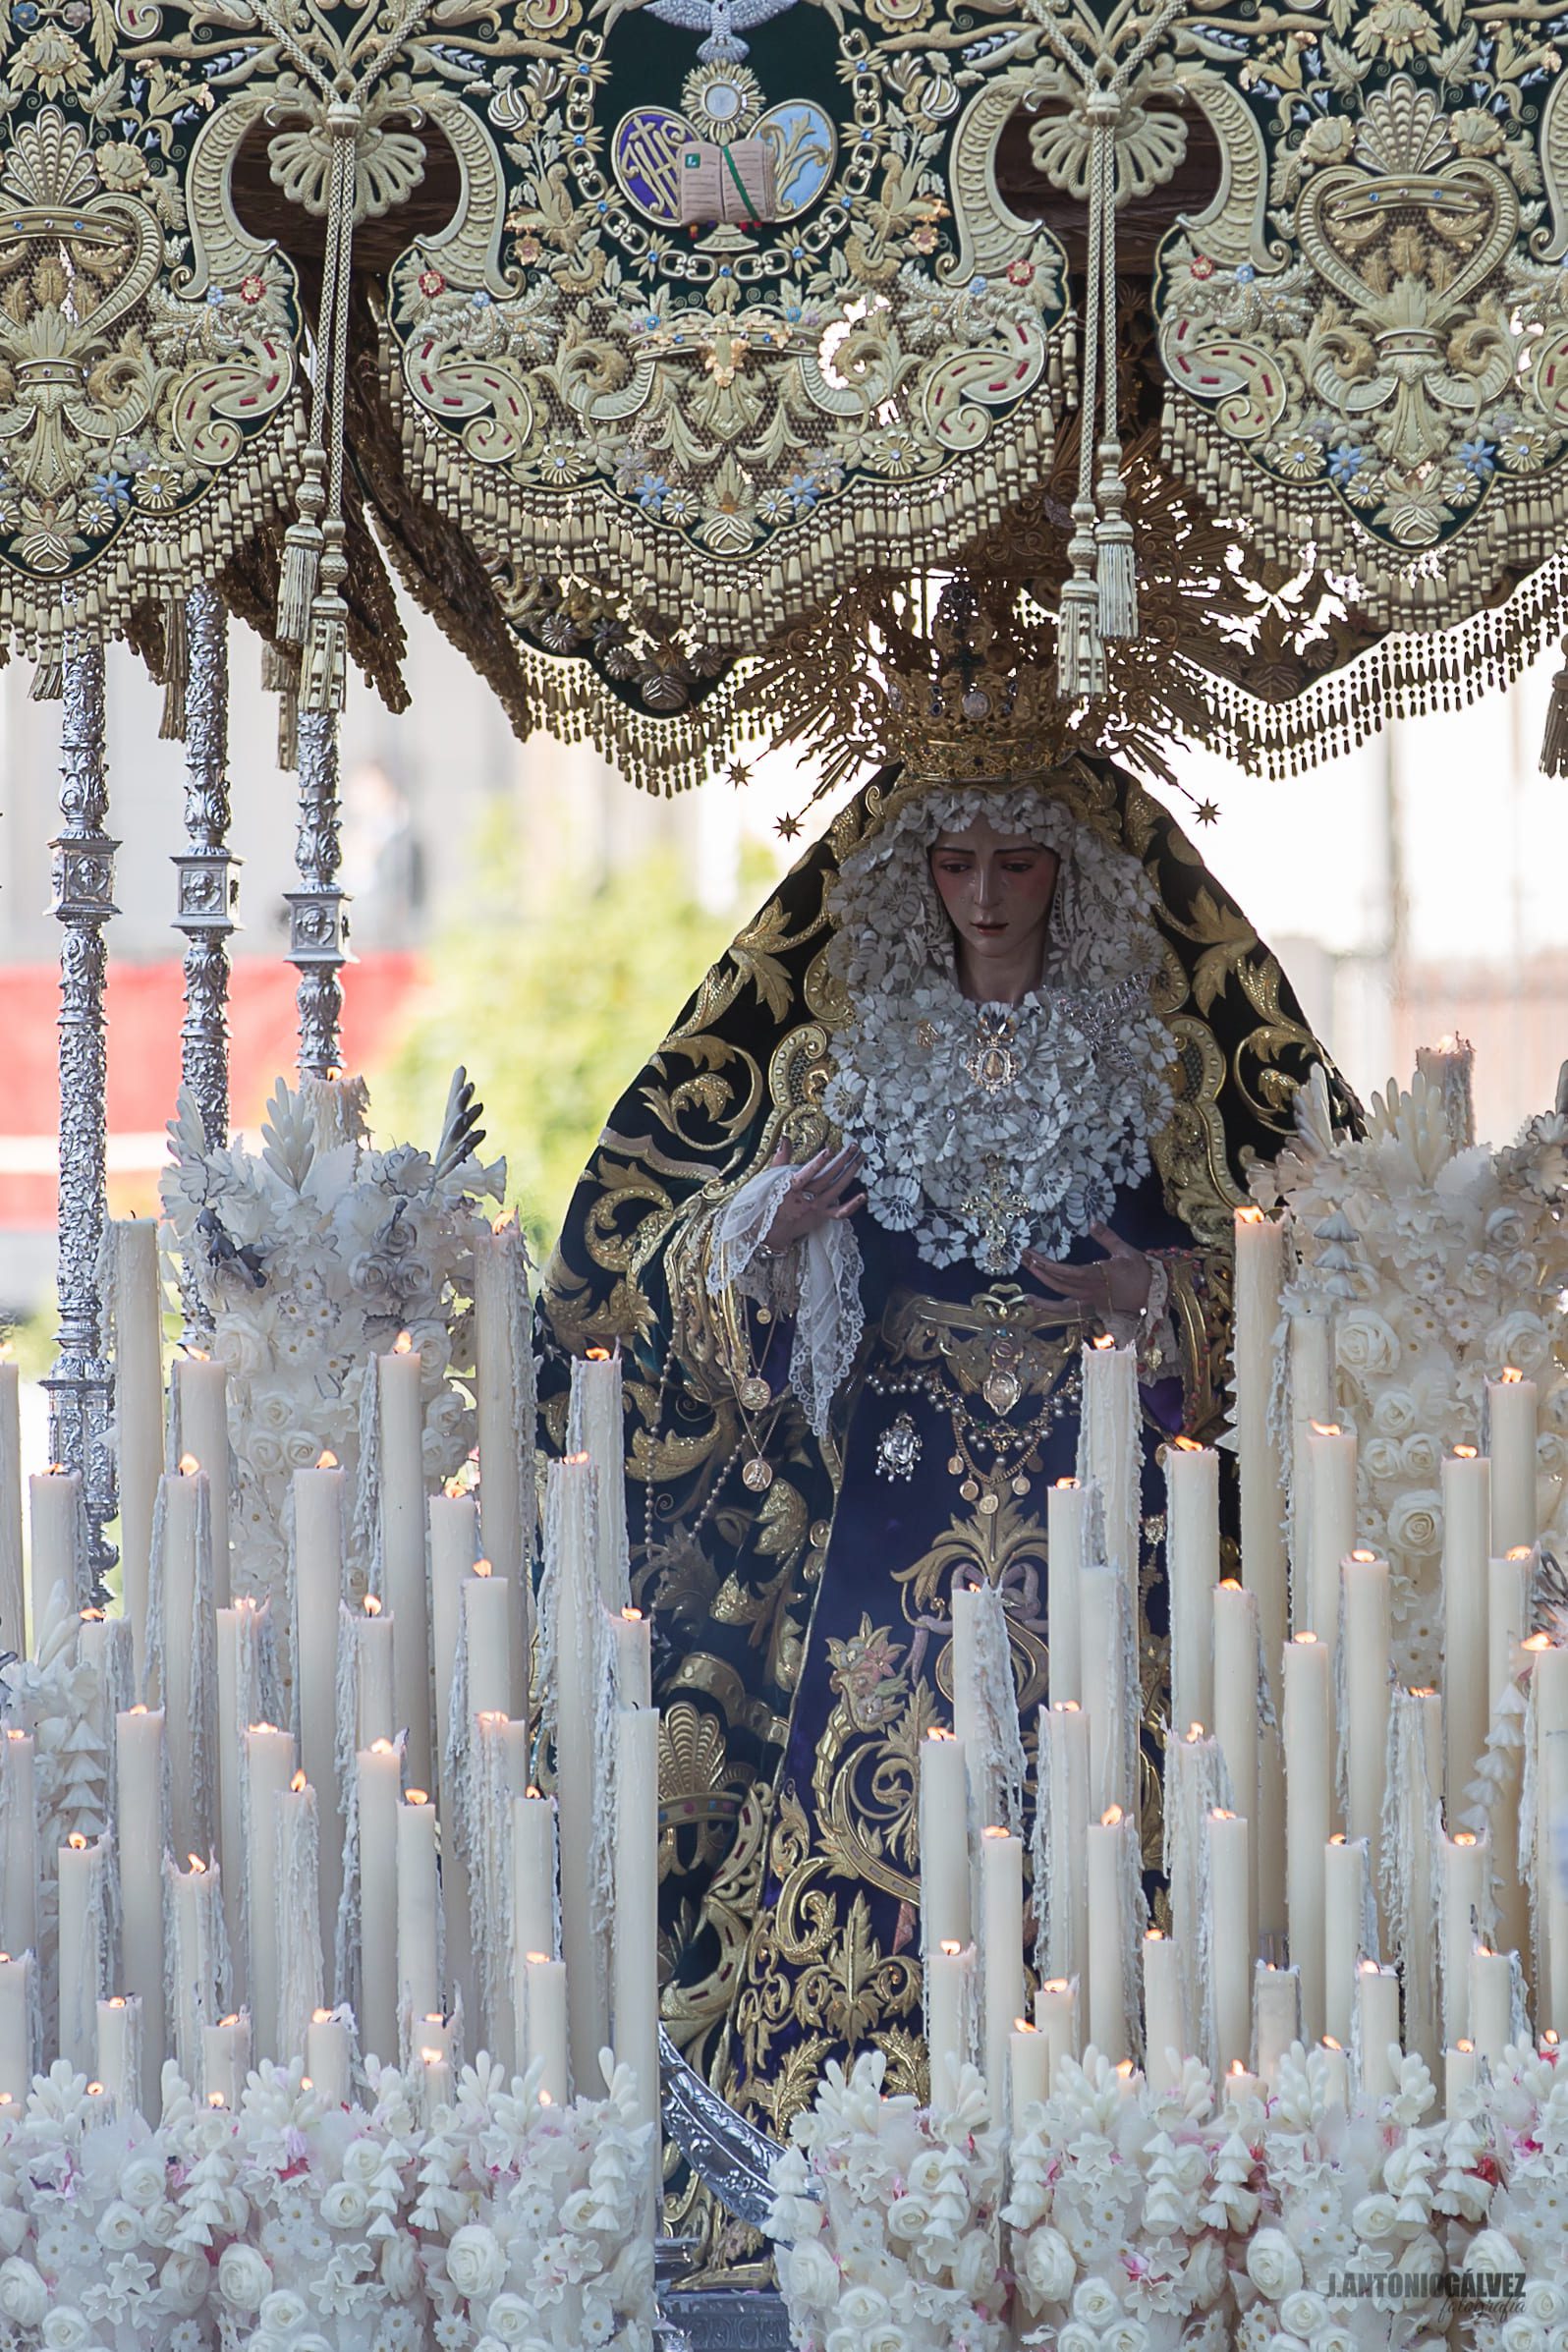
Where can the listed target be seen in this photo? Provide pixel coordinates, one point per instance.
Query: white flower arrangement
(1440, 1265)
(310, 1258)
(1138, 2221)
(292, 2226)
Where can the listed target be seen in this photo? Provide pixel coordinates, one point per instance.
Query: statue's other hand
(1118, 1283)
(821, 1192)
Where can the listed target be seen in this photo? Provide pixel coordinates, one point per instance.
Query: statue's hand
(1118, 1285)
(819, 1194)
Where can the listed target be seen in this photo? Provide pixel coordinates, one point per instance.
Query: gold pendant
(969, 1489)
(1001, 1390)
(955, 1466)
(989, 1505)
(758, 1475)
(1020, 1485)
(755, 1393)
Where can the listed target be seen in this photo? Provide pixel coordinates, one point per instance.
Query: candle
(1491, 2002)
(19, 1887)
(1448, 1066)
(1192, 1553)
(1241, 2089)
(1276, 2014)
(118, 2055)
(17, 2004)
(138, 1309)
(268, 1768)
(949, 1993)
(1002, 1977)
(1552, 1868)
(1346, 1894)
(1236, 1728)
(400, 1399)
(634, 1991)
(944, 1841)
(454, 1521)
(595, 1428)
(83, 1946)
(300, 1968)
(1309, 1743)
(434, 2039)
(1228, 1878)
(1112, 1733)
(1111, 1867)
(1467, 1515)
(198, 1900)
(1056, 2018)
(13, 1617)
(201, 1402)
(580, 1644)
(1461, 2079)
(1259, 1279)
(182, 1655)
(1192, 1791)
(55, 1520)
(1029, 2060)
(1369, 1668)
(374, 1676)
(1312, 1398)
(1378, 2031)
(1061, 1829)
(418, 1972)
(139, 1818)
(634, 1660)
(314, 1648)
(1111, 1453)
(532, 1877)
(1511, 1444)
(503, 1395)
(1332, 1476)
(1165, 2042)
(1508, 1590)
(1066, 1514)
(544, 2035)
(488, 1629)
(377, 1781)
(329, 2054)
(1336, 2072)
(1415, 1765)
(225, 2059)
(240, 1701)
(1466, 1919)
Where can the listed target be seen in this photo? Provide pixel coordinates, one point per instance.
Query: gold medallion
(955, 1466)
(1020, 1485)
(1001, 1390)
(758, 1475)
(989, 1505)
(969, 1489)
(755, 1393)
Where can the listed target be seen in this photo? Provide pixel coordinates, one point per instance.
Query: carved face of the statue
(997, 889)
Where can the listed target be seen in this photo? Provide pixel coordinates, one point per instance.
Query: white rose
(1520, 1339)
(1095, 2303)
(1049, 2263)
(66, 2328)
(810, 2275)
(1415, 1521)
(510, 2318)
(1381, 1458)
(400, 2268)
(1373, 2217)
(975, 2269)
(183, 2282)
(1491, 2251)
(24, 2297)
(119, 2227)
(889, 2337)
(1544, 2303)
(1521, 2334)
(1335, 2336)
(1303, 2313)
(1206, 2273)
(1365, 1342)
(861, 2307)
(1272, 2263)
(475, 2263)
(1125, 2335)
(344, 2205)
(362, 2160)
(907, 2216)
(283, 2311)
(1076, 2336)
(1395, 1413)
(144, 2181)
(244, 2277)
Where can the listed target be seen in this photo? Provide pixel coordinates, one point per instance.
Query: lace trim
(816, 1280)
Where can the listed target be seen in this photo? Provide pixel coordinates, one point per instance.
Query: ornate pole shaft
(318, 922)
(80, 1386)
(209, 879)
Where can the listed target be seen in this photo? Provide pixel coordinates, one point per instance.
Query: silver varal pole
(81, 1385)
(318, 922)
(208, 872)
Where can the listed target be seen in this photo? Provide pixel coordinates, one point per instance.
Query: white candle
(1241, 2091)
(300, 1965)
(1378, 2031)
(1192, 1789)
(949, 1983)
(13, 1615)
(1449, 1067)
(633, 1659)
(268, 1767)
(1164, 2040)
(1228, 1942)
(16, 2024)
(137, 1298)
(1491, 2002)
(1309, 1742)
(313, 1649)
(634, 1989)
(944, 1841)
(1416, 1737)
(1345, 1893)
(1331, 1475)
(454, 1521)
(401, 1401)
(1056, 2017)
(1369, 1668)
(1467, 1517)
(1192, 1554)
(374, 1679)
(1336, 2066)
(419, 1972)
(1102, 1601)
(1466, 1919)
(1111, 1857)
(138, 1817)
(226, 2059)
(1552, 1851)
(201, 1424)
(1063, 1829)
(1508, 1621)
(1110, 1451)
(582, 1650)
(1312, 1398)
(198, 1898)
(238, 1704)
(117, 2057)
(83, 1888)
(544, 2037)
(1029, 2060)
(55, 1520)
(1461, 2078)
(328, 2055)
(1002, 1977)
(19, 1890)
(1259, 1280)
(1511, 1402)
(595, 1427)
(1276, 2015)
(504, 1411)
(434, 2039)
(1236, 1723)
(487, 1626)
(379, 1780)
(533, 1876)
(183, 1641)
(1066, 1511)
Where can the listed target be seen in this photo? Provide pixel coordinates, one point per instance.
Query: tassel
(48, 680)
(176, 670)
(280, 669)
(288, 730)
(1554, 742)
(1079, 648)
(323, 665)
(301, 554)
(1115, 567)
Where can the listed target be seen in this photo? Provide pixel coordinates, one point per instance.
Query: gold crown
(972, 723)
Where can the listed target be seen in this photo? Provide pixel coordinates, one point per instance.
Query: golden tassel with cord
(301, 552)
(280, 669)
(1080, 647)
(323, 665)
(1115, 563)
(176, 670)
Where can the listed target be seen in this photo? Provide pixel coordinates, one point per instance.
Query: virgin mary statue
(979, 1082)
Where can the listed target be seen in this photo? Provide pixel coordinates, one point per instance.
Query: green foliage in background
(553, 1014)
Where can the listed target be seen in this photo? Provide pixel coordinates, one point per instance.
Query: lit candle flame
(215, 2099)
(372, 1604)
(454, 1490)
(77, 1842)
(94, 2089)
(1153, 1935)
(431, 2058)
(540, 1959)
(59, 1470)
(1110, 1817)
(264, 1727)
(403, 1345)
(1021, 2025)
(1105, 1341)
(1304, 1636)
(1367, 1558)
(189, 1466)
(1237, 2067)
(632, 1617)
(117, 2000)
(1467, 1453)
(1195, 1731)
(1064, 1483)
(578, 1461)
(139, 1709)
(320, 2017)
(1330, 2043)
(598, 1355)
(199, 1868)
(1463, 2043)
(198, 1355)
(1230, 1584)
(483, 1568)
(499, 1224)
(1055, 1984)
(1464, 1838)
(327, 1459)
(382, 1748)
(1520, 1551)
(1249, 1216)
(1326, 1428)
(1188, 1445)
(91, 1616)
(1510, 1376)
(951, 1949)
(232, 2019)
(994, 1830)
(1219, 1812)
(297, 1784)
(418, 1796)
